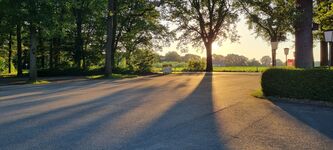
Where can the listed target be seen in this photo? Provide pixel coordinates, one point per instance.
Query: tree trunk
(323, 53)
(84, 59)
(42, 61)
(209, 60)
(10, 54)
(25, 59)
(303, 34)
(114, 34)
(51, 56)
(109, 45)
(274, 57)
(41, 49)
(56, 52)
(33, 49)
(78, 39)
(19, 50)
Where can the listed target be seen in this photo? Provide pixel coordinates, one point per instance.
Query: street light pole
(329, 39)
(329, 54)
(286, 52)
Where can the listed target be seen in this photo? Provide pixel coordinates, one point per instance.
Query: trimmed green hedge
(314, 84)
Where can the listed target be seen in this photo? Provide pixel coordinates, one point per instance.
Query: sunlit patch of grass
(113, 76)
(258, 94)
(223, 69)
(240, 69)
(96, 77)
(38, 82)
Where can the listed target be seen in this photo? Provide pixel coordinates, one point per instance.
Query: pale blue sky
(248, 45)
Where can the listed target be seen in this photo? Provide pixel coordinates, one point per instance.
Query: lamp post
(329, 39)
(274, 48)
(286, 52)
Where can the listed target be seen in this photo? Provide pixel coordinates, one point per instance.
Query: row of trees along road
(83, 33)
(220, 60)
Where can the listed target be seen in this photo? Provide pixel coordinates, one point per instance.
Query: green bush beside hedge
(315, 84)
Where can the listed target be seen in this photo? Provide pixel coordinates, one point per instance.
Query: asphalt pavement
(179, 111)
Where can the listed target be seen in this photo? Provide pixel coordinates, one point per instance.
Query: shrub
(314, 84)
(2, 64)
(196, 65)
(143, 61)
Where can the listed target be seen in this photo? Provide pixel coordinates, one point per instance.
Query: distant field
(222, 69)
(240, 69)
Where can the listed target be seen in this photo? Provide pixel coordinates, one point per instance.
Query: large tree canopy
(269, 19)
(202, 22)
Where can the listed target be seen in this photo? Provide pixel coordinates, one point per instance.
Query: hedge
(314, 84)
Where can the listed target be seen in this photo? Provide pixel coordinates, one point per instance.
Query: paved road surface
(183, 111)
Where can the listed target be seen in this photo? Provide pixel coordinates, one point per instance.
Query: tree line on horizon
(84, 34)
(220, 60)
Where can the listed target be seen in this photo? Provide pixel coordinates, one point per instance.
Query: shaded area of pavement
(317, 117)
(24, 80)
(183, 111)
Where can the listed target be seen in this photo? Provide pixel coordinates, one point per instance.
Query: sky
(248, 45)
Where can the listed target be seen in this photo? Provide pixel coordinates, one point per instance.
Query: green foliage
(235, 60)
(253, 62)
(172, 56)
(196, 65)
(189, 57)
(266, 61)
(270, 19)
(258, 94)
(315, 84)
(172, 63)
(143, 60)
(324, 14)
(3, 66)
(240, 69)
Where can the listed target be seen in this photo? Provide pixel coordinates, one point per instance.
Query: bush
(143, 61)
(314, 84)
(196, 65)
(2, 64)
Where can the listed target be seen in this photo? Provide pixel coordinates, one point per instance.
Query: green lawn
(240, 69)
(222, 69)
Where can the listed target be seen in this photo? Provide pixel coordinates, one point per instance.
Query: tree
(189, 57)
(172, 56)
(143, 60)
(218, 60)
(266, 61)
(9, 18)
(37, 16)
(253, 62)
(324, 17)
(139, 28)
(303, 34)
(269, 20)
(279, 62)
(203, 22)
(235, 60)
(111, 25)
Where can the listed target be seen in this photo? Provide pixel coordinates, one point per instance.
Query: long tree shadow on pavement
(189, 124)
(71, 126)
